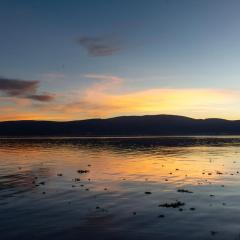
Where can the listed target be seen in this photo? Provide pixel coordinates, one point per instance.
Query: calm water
(42, 195)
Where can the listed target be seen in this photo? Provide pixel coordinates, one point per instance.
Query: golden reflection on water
(41, 190)
(170, 165)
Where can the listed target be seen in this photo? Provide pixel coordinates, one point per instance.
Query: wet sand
(127, 188)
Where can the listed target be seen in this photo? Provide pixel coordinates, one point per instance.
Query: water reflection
(121, 193)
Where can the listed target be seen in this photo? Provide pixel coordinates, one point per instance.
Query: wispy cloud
(53, 76)
(104, 82)
(106, 77)
(97, 46)
(19, 88)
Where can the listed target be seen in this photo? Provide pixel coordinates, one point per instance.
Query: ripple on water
(119, 188)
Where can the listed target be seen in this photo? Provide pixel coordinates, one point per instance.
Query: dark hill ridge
(151, 125)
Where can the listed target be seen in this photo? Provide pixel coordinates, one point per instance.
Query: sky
(67, 60)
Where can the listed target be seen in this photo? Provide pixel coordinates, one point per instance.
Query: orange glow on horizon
(103, 100)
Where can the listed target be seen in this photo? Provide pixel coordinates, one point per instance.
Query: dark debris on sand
(213, 233)
(172, 205)
(148, 193)
(184, 191)
(83, 171)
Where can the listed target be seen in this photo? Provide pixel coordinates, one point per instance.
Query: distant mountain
(150, 125)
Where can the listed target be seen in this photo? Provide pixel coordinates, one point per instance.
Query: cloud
(41, 97)
(105, 82)
(23, 89)
(111, 78)
(97, 46)
(16, 87)
(53, 75)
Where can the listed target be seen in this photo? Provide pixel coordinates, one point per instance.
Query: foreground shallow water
(120, 188)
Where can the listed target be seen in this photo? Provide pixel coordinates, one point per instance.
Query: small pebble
(148, 193)
(213, 233)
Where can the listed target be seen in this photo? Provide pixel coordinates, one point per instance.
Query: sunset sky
(67, 60)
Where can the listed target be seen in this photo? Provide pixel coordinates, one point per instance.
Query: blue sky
(149, 45)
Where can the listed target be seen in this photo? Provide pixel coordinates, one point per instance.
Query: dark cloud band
(16, 87)
(23, 89)
(41, 97)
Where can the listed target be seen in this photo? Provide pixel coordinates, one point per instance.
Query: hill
(151, 125)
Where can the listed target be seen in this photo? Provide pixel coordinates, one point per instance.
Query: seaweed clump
(83, 171)
(184, 191)
(176, 204)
